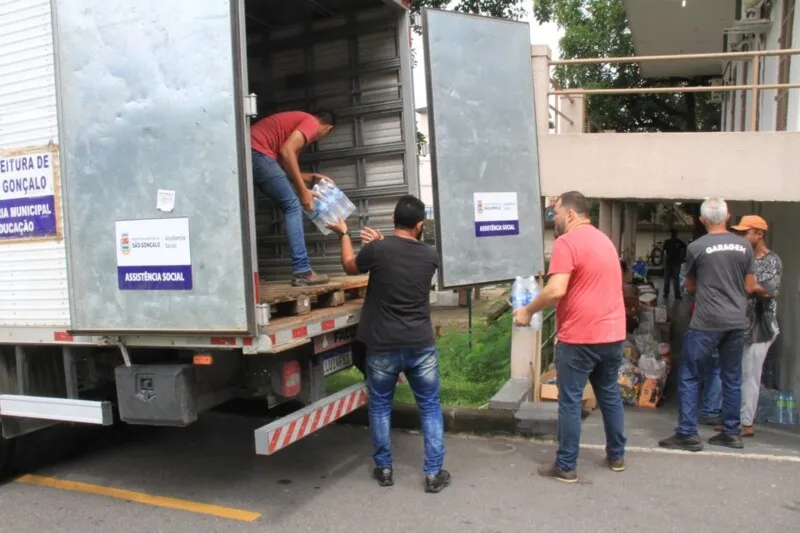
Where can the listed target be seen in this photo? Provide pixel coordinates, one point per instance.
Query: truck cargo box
(147, 131)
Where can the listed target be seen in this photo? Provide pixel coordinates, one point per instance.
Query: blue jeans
(421, 367)
(711, 406)
(271, 179)
(599, 363)
(698, 364)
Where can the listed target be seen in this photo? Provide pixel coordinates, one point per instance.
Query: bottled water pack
(523, 292)
(332, 206)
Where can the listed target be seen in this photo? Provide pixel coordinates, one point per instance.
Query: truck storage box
(157, 395)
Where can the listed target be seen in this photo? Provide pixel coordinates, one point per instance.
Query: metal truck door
(153, 148)
(484, 153)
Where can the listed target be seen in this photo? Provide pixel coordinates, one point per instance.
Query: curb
(456, 420)
(490, 422)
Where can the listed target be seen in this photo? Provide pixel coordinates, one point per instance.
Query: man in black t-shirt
(675, 251)
(397, 330)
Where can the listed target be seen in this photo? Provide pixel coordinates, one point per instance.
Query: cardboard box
(549, 391)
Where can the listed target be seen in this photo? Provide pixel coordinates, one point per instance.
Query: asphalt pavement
(206, 478)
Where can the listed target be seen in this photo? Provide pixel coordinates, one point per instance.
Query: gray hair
(714, 211)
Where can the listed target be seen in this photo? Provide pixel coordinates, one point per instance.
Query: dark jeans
(421, 368)
(672, 274)
(698, 364)
(271, 179)
(599, 363)
(711, 405)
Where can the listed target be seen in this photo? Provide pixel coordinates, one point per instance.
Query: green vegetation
(469, 376)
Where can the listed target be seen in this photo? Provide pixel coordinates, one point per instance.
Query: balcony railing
(754, 59)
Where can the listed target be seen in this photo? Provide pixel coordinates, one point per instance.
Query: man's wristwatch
(341, 235)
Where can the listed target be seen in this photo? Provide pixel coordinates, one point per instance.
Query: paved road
(322, 484)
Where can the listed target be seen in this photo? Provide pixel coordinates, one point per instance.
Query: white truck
(142, 278)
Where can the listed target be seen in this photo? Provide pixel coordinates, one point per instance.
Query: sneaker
(689, 444)
(617, 465)
(384, 476)
(711, 420)
(729, 441)
(553, 472)
(308, 279)
(437, 483)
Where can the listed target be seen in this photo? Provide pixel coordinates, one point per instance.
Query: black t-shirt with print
(397, 312)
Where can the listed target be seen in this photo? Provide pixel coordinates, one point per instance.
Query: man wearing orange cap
(761, 314)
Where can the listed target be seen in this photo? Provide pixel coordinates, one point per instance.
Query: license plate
(337, 360)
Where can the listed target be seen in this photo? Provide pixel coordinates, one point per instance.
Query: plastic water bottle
(780, 408)
(523, 292)
(791, 408)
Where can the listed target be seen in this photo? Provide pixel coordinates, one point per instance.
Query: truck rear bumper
(289, 429)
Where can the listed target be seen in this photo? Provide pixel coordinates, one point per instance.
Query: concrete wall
(784, 220)
(672, 165)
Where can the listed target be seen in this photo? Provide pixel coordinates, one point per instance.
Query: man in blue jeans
(397, 330)
(719, 272)
(585, 282)
(276, 142)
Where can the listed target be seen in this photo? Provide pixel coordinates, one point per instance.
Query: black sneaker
(438, 482)
(711, 420)
(617, 465)
(552, 471)
(309, 278)
(730, 441)
(384, 476)
(689, 444)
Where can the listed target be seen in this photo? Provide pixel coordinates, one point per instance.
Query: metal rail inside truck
(142, 278)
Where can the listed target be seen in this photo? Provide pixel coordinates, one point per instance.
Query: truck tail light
(290, 379)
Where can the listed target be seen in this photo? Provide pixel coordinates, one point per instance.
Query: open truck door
(484, 151)
(155, 164)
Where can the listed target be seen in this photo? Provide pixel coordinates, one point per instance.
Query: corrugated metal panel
(33, 277)
(358, 76)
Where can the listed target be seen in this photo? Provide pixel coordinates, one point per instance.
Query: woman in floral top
(762, 315)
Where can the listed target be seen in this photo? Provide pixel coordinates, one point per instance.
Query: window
(784, 62)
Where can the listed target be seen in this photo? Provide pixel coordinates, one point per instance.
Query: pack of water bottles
(523, 292)
(331, 206)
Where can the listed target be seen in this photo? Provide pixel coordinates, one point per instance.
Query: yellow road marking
(140, 497)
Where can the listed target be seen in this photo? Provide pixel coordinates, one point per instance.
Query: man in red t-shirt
(585, 283)
(276, 142)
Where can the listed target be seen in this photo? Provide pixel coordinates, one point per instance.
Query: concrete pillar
(540, 63)
(616, 223)
(574, 110)
(604, 223)
(629, 232)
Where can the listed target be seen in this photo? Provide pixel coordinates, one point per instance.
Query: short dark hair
(409, 212)
(326, 117)
(575, 201)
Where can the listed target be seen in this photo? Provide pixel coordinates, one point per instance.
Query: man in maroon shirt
(276, 142)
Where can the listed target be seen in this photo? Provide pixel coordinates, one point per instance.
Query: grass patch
(470, 376)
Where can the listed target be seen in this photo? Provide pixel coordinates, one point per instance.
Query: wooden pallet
(286, 300)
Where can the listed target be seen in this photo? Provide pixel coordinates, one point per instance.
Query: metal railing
(755, 58)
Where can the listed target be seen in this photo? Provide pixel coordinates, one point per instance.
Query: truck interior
(347, 56)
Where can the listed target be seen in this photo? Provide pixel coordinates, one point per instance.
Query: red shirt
(268, 135)
(592, 311)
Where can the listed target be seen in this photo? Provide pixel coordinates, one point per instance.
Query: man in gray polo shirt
(720, 270)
